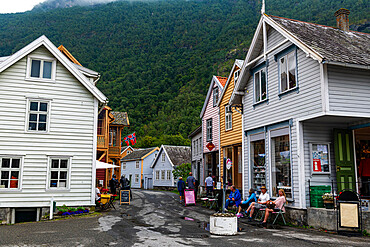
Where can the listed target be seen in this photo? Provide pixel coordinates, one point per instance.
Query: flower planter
(329, 204)
(223, 225)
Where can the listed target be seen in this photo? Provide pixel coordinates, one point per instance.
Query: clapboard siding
(303, 102)
(160, 166)
(71, 134)
(349, 90)
(132, 170)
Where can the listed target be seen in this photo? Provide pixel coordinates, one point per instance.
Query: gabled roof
(44, 41)
(196, 131)
(120, 118)
(123, 149)
(237, 64)
(139, 154)
(322, 43)
(332, 43)
(176, 154)
(220, 81)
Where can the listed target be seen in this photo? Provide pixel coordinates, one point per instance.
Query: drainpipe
(51, 208)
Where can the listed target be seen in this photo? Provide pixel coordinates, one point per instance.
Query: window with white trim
(236, 76)
(136, 178)
(38, 115)
(41, 68)
(288, 75)
(215, 96)
(163, 174)
(156, 175)
(124, 166)
(129, 151)
(209, 129)
(59, 173)
(137, 165)
(260, 85)
(168, 175)
(228, 118)
(10, 172)
(163, 157)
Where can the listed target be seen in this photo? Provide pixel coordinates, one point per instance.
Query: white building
(48, 131)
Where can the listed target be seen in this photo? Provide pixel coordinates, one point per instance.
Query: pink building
(210, 128)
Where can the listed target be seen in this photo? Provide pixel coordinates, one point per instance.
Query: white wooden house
(304, 89)
(167, 159)
(48, 131)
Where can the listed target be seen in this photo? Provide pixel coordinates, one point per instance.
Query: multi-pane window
(59, 168)
(288, 76)
(38, 115)
(260, 86)
(163, 174)
(41, 68)
(228, 118)
(168, 175)
(156, 175)
(209, 129)
(215, 96)
(10, 169)
(200, 145)
(113, 134)
(124, 166)
(236, 75)
(136, 178)
(137, 165)
(163, 157)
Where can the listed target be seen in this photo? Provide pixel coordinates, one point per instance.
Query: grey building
(197, 154)
(304, 89)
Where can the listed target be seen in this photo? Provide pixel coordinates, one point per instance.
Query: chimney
(342, 19)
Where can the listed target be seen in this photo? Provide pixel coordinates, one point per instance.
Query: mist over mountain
(53, 4)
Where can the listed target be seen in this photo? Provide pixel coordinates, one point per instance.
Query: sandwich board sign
(189, 197)
(124, 197)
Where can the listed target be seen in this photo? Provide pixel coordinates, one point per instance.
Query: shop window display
(259, 165)
(280, 165)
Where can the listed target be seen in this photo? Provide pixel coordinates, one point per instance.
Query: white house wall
(160, 166)
(132, 170)
(71, 134)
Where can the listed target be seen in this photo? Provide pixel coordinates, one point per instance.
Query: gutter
(348, 65)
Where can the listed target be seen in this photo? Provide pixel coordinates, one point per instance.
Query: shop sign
(229, 164)
(317, 165)
(210, 146)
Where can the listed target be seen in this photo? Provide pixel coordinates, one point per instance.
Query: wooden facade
(231, 135)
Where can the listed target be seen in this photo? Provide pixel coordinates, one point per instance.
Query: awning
(102, 165)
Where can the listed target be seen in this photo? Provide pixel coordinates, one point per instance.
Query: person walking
(209, 184)
(191, 181)
(181, 188)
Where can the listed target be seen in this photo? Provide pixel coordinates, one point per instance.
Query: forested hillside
(157, 57)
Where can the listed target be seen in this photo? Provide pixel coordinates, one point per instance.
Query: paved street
(155, 218)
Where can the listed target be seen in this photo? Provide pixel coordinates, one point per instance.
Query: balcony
(101, 141)
(114, 151)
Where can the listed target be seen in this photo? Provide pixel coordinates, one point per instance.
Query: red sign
(317, 165)
(210, 146)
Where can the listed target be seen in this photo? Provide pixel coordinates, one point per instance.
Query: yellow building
(231, 130)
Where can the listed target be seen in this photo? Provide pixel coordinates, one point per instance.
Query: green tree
(182, 171)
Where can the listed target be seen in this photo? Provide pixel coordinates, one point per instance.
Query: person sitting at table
(234, 198)
(98, 193)
(245, 204)
(261, 202)
(279, 205)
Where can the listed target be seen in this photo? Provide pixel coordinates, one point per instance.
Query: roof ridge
(335, 28)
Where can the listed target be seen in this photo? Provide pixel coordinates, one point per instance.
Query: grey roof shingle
(137, 154)
(178, 154)
(120, 118)
(333, 44)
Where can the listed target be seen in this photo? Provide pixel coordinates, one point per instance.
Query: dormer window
(41, 69)
(215, 96)
(236, 75)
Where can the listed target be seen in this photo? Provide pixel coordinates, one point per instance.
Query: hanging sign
(229, 164)
(210, 146)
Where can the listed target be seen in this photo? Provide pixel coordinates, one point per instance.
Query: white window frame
(287, 71)
(42, 59)
(129, 151)
(258, 73)
(236, 76)
(20, 169)
(163, 174)
(215, 96)
(163, 158)
(68, 169)
(168, 175)
(137, 179)
(137, 165)
(28, 112)
(157, 175)
(209, 129)
(228, 118)
(124, 166)
(311, 157)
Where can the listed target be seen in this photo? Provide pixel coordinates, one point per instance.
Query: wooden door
(344, 159)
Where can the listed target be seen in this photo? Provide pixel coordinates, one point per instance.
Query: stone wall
(296, 216)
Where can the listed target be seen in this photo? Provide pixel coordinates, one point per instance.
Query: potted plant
(328, 200)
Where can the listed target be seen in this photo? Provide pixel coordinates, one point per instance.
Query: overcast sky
(13, 6)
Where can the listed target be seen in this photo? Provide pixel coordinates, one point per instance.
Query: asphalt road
(156, 218)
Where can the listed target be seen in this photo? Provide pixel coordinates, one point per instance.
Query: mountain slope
(157, 57)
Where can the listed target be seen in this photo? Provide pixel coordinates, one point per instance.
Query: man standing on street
(191, 181)
(209, 184)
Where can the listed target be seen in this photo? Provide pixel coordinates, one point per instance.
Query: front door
(344, 159)
(237, 167)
